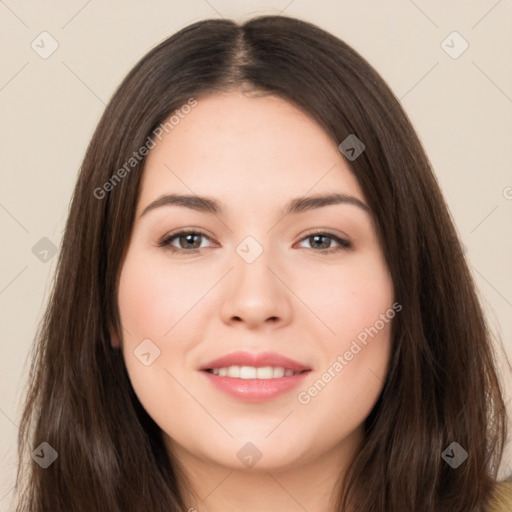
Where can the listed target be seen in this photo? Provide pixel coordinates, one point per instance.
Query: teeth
(265, 372)
(247, 372)
(278, 372)
(250, 372)
(234, 371)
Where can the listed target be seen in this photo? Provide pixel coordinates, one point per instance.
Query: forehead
(250, 149)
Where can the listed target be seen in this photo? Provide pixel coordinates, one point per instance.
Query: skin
(254, 154)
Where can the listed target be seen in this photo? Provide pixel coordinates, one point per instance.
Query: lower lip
(255, 390)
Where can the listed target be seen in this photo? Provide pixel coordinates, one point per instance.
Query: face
(294, 290)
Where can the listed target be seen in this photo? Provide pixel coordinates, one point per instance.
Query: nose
(255, 295)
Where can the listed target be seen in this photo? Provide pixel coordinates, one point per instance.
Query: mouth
(254, 377)
(252, 372)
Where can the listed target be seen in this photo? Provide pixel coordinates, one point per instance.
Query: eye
(188, 241)
(322, 242)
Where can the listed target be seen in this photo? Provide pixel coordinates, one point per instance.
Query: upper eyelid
(186, 231)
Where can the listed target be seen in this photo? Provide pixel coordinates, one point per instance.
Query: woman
(322, 346)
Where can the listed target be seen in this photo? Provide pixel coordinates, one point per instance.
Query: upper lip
(257, 360)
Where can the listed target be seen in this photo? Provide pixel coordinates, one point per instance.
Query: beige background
(461, 108)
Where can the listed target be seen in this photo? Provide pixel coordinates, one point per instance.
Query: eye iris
(188, 238)
(324, 245)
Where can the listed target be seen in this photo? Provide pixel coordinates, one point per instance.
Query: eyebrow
(297, 205)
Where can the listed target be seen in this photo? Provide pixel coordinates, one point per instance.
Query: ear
(114, 339)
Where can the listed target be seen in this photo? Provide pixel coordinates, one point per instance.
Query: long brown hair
(442, 385)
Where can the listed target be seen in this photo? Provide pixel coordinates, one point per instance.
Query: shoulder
(501, 500)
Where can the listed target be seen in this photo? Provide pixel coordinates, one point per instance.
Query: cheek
(343, 392)
(160, 304)
(151, 299)
(347, 298)
(151, 303)
(347, 385)
(356, 303)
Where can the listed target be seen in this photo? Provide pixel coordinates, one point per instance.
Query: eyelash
(343, 244)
